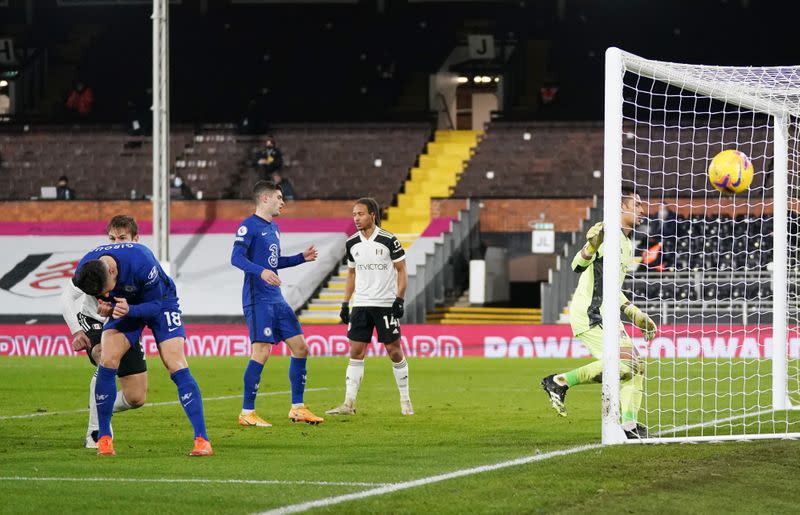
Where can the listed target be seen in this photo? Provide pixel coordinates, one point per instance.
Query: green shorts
(593, 340)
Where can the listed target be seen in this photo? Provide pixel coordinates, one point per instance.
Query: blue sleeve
(240, 261)
(288, 261)
(152, 295)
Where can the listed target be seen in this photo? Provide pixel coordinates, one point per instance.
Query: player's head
(95, 278)
(631, 209)
(366, 213)
(122, 228)
(268, 197)
(269, 142)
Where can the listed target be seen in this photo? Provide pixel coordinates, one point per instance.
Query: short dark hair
(91, 278)
(628, 192)
(372, 208)
(63, 178)
(124, 222)
(264, 186)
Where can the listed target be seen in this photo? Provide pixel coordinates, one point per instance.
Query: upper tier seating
(322, 161)
(535, 159)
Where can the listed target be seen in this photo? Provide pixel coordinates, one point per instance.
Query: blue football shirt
(140, 280)
(257, 247)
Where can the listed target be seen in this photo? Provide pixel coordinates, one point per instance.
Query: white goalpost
(719, 274)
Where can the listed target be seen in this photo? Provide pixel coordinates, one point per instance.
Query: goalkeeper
(586, 319)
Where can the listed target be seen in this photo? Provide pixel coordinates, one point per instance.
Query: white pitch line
(204, 481)
(152, 404)
(330, 501)
(713, 422)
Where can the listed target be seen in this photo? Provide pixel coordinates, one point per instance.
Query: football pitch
(484, 439)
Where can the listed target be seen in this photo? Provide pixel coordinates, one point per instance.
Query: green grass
(470, 412)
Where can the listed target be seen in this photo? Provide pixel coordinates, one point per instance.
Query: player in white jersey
(376, 284)
(80, 312)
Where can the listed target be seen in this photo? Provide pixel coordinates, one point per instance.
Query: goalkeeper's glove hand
(594, 237)
(344, 314)
(397, 307)
(641, 320)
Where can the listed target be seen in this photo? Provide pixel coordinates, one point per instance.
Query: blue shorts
(167, 324)
(271, 323)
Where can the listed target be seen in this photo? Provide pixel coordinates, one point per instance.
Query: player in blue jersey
(257, 252)
(134, 291)
(86, 326)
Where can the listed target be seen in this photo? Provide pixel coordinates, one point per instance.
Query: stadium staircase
(437, 174)
(325, 307)
(461, 313)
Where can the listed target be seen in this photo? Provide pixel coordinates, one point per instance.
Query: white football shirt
(373, 259)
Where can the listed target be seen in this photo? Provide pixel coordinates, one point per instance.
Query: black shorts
(132, 362)
(364, 319)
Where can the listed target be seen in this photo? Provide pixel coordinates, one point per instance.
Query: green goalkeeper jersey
(585, 308)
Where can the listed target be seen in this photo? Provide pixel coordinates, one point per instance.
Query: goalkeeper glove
(641, 320)
(397, 307)
(594, 237)
(344, 314)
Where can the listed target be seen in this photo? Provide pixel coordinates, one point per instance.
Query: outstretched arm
(310, 254)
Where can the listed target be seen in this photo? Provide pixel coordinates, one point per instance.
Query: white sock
(247, 411)
(401, 377)
(352, 380)
(120, 403)
(94, 425)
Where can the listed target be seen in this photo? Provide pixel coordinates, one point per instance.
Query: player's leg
(93, 427)
(556, 385)
(114, 344)
(132, 375)
(133, 385)
(388, 329)
(170, 335)
(631, 385)
(359, 332)
(189, 395)
(353, 376)
(287, 328)
(259, 323)
(252, 381)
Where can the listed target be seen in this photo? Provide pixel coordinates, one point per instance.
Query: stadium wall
(77, 210)
(435, 341)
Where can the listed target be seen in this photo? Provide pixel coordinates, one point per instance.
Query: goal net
(717, 273)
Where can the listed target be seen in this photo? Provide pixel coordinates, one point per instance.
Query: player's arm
(72, 299)
(398, 256)
(639, 318)
(152, 296)
(398, 306)
(587, 254)
(310, 254)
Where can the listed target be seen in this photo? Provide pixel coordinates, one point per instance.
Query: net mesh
(706, 258)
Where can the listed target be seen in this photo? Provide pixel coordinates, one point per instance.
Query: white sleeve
(74, 301)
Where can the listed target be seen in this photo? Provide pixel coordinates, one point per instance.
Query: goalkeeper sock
(191, 400)
(93, 424)
(352, 380)
(297, 378)
(105, 390)
(121, 403)
(586, 374)
(252, 380)
(630, 396)
(401, 378)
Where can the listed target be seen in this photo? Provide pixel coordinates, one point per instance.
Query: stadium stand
(558, 159)
(322, 161)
